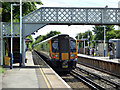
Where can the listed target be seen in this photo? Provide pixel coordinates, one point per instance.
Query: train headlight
(56, 55)
(71, 55)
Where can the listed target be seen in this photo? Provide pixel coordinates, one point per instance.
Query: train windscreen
(72, 46)
(55, 46)
(64, 44)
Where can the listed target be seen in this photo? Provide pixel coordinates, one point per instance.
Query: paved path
(32, 76)
(21, 77)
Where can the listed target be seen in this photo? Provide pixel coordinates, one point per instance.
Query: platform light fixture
(11, 59)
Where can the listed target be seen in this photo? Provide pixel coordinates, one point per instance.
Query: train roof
(54, 37)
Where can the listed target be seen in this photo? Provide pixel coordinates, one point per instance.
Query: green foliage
(0, 13)
(0, 10)
(52, 33)
(1, 70)
(43, 37)
(29, 37)
(80, 36)
(99, 32)
(114, 34)
(38, 39)
(29, 44)
(27, 7)
(85, 35)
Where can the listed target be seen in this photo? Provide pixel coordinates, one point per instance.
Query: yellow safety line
(48, 85)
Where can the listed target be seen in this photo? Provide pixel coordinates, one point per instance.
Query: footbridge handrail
(74, 15)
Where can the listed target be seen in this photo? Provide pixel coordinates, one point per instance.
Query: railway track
(82, 79)
(87, 81)
(99, 69)
(94, 81)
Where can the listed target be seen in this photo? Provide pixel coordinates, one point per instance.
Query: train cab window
(55, 46)
(72, 46)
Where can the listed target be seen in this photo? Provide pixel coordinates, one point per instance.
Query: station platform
(27, 77)
(105, 64)
(100, 58)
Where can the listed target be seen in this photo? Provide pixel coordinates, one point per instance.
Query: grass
(1, 70)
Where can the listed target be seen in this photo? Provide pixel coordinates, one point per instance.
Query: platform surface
(27, 77)
(100, 58)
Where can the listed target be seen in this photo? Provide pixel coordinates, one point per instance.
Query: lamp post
(11, 59)
(104, 42)
(84, 46)
(20, 32)
(78, 43)
(88, 39)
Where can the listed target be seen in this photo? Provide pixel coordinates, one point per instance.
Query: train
(61, 51)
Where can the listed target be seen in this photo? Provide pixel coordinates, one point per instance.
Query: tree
(27, 7)
(80, 35)
(29, 44)
(114, 34)
(29, 37)
(0, 13)
(85, 35)
(99, 32)
(52, 33)
(43, 37)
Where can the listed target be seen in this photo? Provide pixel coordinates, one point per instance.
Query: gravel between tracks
(74, 82)
(102, 74)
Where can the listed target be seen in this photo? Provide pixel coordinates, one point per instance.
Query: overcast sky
(73, 29)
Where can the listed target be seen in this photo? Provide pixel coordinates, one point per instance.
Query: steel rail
(88, 81)
(114, 83)
(116, 75)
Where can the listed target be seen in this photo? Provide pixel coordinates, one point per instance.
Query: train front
(64, 53)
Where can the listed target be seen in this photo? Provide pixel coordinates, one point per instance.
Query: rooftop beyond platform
(26, 77)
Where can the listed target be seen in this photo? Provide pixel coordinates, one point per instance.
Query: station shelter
(82, 48)
(99, 47)
(116, 47)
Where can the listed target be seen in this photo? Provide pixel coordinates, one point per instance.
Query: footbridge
(59, 16)
(65, 16)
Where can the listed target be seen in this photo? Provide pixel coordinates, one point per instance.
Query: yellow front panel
(65, 56)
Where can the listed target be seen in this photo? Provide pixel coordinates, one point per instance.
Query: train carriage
(61, 51)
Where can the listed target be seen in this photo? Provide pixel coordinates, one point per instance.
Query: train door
(64, 50)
